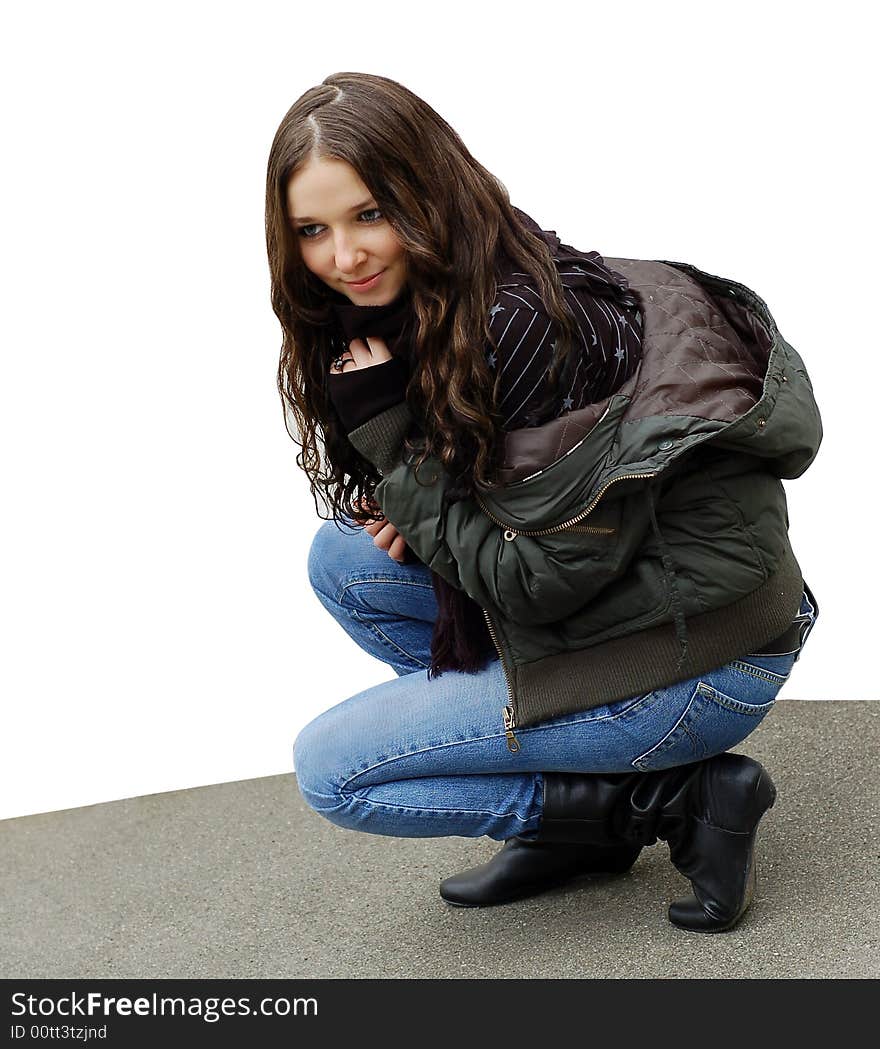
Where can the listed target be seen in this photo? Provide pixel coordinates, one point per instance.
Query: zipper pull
(509, 534)
(509, 724)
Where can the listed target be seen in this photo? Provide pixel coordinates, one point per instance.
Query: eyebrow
(357, 207)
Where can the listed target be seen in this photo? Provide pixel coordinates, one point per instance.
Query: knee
(319, 773)
(329, 557)
(312, 765)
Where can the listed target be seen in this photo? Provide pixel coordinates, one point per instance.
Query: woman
(557, 514)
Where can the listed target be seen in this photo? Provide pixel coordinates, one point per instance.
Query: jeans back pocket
(715, 719)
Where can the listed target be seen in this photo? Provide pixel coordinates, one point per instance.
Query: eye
(313, 229)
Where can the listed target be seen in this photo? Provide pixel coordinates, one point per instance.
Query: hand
(361, 353)
(385, 535)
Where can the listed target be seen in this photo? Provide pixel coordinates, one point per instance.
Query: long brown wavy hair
(454, 219)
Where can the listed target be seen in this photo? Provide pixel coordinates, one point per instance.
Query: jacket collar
(706, 350)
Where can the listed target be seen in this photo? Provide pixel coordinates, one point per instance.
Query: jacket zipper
(591, 529)
(507, 712)
(512, 533)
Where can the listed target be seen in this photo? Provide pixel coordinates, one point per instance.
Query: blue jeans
(414, 757)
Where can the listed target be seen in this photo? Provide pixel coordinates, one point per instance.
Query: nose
(348, 254)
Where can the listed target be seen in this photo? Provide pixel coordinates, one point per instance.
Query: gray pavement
(242, 880)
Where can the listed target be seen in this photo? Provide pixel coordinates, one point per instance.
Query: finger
(379, 350)
(360, 353)
(385, 537)
(397, 550)
(374, 527)
(339, 364)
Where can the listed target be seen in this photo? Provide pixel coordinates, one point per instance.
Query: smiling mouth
(366, 280)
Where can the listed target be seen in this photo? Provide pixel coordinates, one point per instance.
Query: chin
(391, 293)
(376, 298)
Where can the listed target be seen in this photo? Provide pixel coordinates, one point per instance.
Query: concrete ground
(242, 880)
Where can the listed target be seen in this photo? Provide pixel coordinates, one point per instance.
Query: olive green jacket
(641, 540)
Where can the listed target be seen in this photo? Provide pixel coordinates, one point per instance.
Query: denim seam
(549, 726)
(759, 672)
(379, 579)
(384, 637)
(335, 798)
(433, 811)
(738, 707)
(344, 800)
(531, 730)
(425, 750)
(696, 741)
(636, 762)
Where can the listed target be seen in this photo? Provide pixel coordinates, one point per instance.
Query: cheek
(392, 249)
(313, 258)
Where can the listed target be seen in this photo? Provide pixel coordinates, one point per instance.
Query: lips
(365, 283)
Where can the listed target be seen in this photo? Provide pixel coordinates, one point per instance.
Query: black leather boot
(527, 867)
(716, 849)
(708, 812)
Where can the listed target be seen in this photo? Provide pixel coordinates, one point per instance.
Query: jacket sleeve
(528, 580)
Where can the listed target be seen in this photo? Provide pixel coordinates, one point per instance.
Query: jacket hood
(714, 368)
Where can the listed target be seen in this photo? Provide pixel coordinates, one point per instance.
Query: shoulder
(582, 274)
(518, 319)
(586, 283)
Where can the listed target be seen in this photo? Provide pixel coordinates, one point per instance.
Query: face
(343, 236)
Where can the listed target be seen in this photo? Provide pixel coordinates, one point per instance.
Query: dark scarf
(389, 322)
(460, 639)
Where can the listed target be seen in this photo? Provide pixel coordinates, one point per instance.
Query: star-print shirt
(609, 329)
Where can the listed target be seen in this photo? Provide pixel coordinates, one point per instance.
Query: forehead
(325, 188)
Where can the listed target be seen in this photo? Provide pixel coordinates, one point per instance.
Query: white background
(158, 628)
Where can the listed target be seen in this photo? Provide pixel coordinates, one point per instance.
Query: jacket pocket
(594, 535)
(627, 605)
(546, 576)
